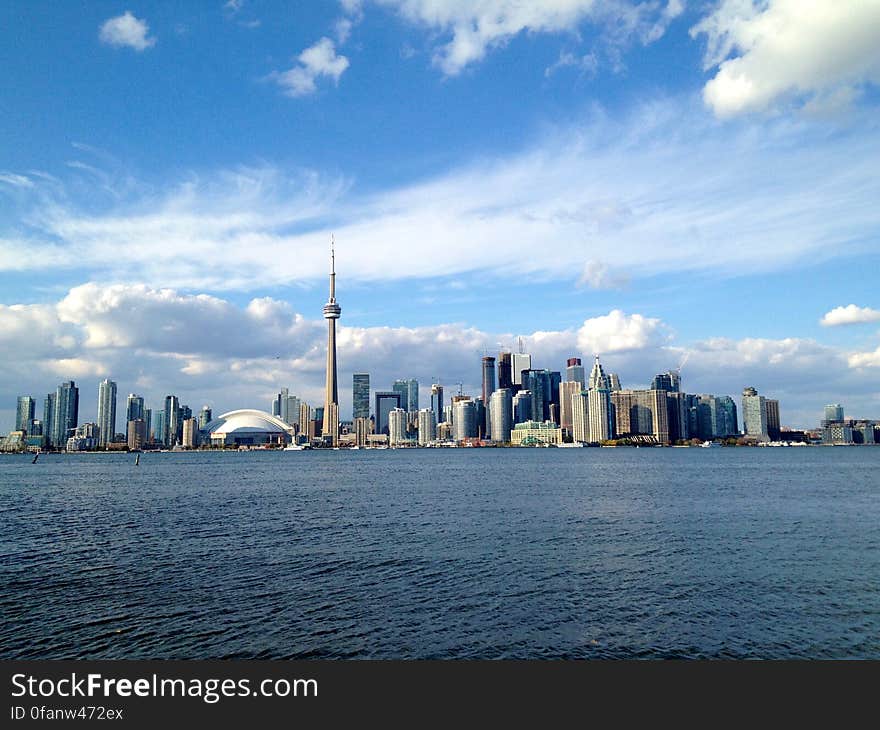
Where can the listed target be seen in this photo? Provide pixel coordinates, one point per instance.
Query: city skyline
(166, 228)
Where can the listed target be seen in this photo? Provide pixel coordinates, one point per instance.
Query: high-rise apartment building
(360, 395)
(833, 414)
(66, 415)
(568, 389)
(171, 420)
(397, 426)
(190, 433)
(427, 427)
(49, 419)
(505, 370)
(464, 420)
(501, 415)
(522, 406)
(519, 362)
(136, 434)
(106, 412)
(24, 413)
(774, 430)
(437, 401)
(754, 414)
(134, 408)
(206, 416)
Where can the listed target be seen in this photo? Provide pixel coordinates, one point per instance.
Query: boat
(572, 445)
(709, 444)
(295, 447)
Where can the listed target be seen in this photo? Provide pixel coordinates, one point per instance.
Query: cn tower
(331, 395)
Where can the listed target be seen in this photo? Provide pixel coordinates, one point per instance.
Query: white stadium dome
(248, 426)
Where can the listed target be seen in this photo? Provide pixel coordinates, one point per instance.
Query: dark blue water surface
(454, 553)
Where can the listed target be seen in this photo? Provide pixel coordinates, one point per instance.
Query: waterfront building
(360, 395)
(363, 427)
(385, 402)
(501, 415)
(332, 312)
(148, 421)
(171, 420)
(248, 427)
(136, 434)
(106, 412)
(754, 414)
(677, 415)
(536, 433)
(837, 433)
(134, 408)
(773, 425)
(205, 417)
(641, 412)
(24, 412)
(83, 438)
(522, 406)
(464, 420)
(66, 415)
(575, 373)
(159, 433)
(401, 387)
(49, 419)
(437, 401)
(427, 426)
(600, 415)
(580, 417)
(306, 424)
(568, 390)
(488, 372)
(409, 394)
(190, 433)
(444, 431)
(280, 405)
(724, 419)
(397, 427)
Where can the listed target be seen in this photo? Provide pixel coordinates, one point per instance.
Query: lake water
(452, 553)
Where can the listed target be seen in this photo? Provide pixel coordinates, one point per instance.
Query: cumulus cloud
(478, 27)
(209, 350)
(850, 314)
(126, 31)
(319, 60)
(781, 51)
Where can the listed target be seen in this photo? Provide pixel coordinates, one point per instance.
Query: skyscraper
(574, 372)
(568, 389)
(599, 408)
(754, 414)
(538, 382)
(205, 417)
(520, 362)
(134, 407)
(464, 421)
(49, 419)
(409, 394)
(522, 406)
(106, 412)
(397, 426)
(66, 415)
(773, 426)
(505, 370)
(171, 420)
(332, 312)
(501, 415)
(360, 396)
(386, 401)
(488, 377)
(437, 401)
(280, 405)
(24, 413)
(427, 427)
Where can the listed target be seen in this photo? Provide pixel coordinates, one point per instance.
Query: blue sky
(648, 181)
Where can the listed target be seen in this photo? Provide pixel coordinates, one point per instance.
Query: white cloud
(126, 30)
(16, 181)
(207, 349)
(664, 191)
(774, 52)
(619, 332)
(850, 314)
(478, 27)
(315, 61)
(586, 65)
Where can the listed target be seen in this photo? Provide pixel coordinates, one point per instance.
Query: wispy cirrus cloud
(650, 195)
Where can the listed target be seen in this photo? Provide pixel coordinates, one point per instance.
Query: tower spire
(332, 269)
(332, 310)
